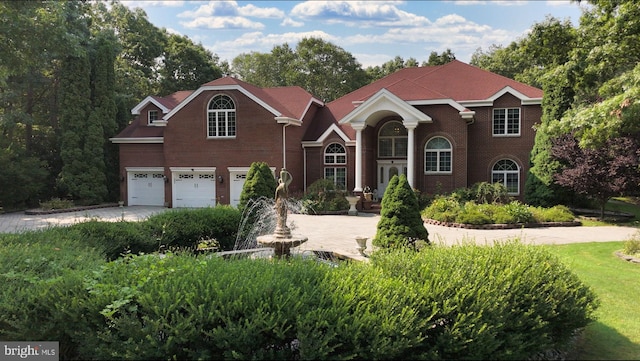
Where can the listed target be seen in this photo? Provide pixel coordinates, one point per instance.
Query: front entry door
(386, 170)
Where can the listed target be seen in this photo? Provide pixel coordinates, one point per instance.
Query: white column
(358, 128)
(411, 159)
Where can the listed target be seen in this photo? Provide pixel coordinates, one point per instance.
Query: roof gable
(456, 84)
(284, 102)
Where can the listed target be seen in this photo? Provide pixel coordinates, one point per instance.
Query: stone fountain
(282, 240)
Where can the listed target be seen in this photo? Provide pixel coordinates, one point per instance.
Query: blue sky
(372, 31)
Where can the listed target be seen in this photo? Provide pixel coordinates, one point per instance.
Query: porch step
(374, 208)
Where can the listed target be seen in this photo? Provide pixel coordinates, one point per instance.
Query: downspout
(284, 145)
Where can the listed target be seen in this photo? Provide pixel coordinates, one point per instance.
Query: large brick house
(445, 127)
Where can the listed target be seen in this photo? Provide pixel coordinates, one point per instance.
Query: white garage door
(237, 183)
(237, 176)
(194, 189)
(145, 188)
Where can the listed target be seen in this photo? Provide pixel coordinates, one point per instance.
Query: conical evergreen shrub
(400, 222)
(260, 182)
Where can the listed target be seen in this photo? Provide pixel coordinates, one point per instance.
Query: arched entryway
(392, 154)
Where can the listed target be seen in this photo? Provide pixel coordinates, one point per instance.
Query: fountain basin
(281, 245)
(353, 200)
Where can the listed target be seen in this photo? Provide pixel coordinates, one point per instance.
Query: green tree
(326, 70)
(260, 182)
(400, 224)
(322, 68)
(380, 71)
(440, 59)
(104, 112)
(186, 65)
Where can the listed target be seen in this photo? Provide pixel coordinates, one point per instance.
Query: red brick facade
(461, 114)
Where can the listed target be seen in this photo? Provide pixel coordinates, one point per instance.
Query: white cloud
(152, 3)
(292, 23)
(254, 11)
(358, 13)
(228, 15)
(263, 43)
(222, 22)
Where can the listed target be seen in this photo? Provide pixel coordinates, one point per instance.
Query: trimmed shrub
(444, 209)
(449, 209)
(260, 182)
(473, 213)
(42, 273)
(557, 213)
(322, 196)
(400, 222)
(506, 301)
(632, 245)
(116, 238)
(185, 228)
(514, 212)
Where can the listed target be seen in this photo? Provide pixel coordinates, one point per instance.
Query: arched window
(221, 117)
(392, 141)
(438, 156)
(507, 172)
(334, 155)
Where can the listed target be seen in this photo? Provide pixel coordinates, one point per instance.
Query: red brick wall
(446, 123)
(258, 138)
(485, 149)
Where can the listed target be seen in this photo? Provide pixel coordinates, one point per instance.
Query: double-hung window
(506, 122)
(335, 161)
(221, 118)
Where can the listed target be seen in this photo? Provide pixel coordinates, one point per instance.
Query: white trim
(144, 169)
(306, 109)
(141, 140)
(193, 169)
(149, 99)
(246, 169)
(222, 87)
(385, 101)
(288, 121)
(524, 100)
(459, 107)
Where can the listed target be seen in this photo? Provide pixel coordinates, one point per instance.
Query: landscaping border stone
(502, 226)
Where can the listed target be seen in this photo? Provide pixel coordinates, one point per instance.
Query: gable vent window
(221, 118)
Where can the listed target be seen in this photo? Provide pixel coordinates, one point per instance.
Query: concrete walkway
(334, 232)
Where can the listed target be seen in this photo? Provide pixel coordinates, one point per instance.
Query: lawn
(616, 333)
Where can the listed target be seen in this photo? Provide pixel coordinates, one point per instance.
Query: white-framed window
(438, 156)
(338, 175)
(507, 172)
(392, 141)
(221, 117)
(335, 154)
(506, 121)
(152, 116)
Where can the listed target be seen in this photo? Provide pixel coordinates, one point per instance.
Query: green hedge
(508, 301)
(449, 209)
